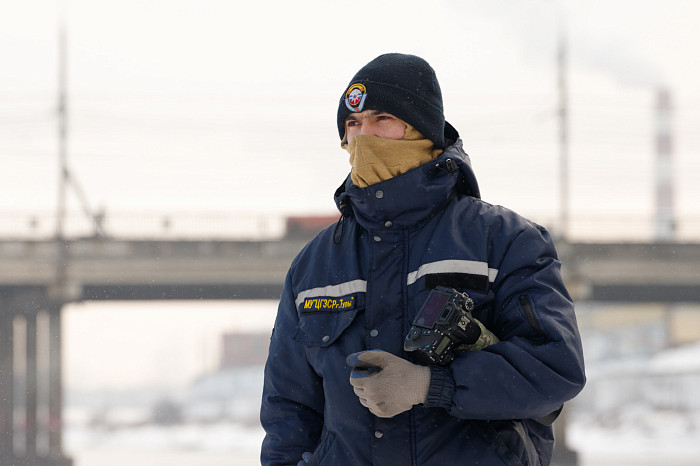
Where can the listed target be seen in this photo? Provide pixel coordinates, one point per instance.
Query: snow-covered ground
(217, 444)
(639, 438)
(636, 436)
(641, 412)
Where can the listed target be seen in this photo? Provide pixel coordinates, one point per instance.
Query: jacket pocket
(528, 310)
(512, 443)
(323, 329)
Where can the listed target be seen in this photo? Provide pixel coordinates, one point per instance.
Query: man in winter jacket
(340, 389)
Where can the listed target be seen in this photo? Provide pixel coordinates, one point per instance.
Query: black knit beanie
(403, 85)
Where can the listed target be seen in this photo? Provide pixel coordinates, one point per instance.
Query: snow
(640, 411)
(621, 418)
(227, 436)
(637, 435)
(683, 359)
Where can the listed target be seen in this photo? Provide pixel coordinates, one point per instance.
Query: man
(339, 387)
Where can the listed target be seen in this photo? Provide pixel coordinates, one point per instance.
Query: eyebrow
(354, 116)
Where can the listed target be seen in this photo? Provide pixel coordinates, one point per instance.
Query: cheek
(397, 131)
(350, 134)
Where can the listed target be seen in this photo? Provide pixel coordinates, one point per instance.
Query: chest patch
(328, 304)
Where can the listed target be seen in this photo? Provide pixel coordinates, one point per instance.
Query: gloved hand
(486, 338)
(387, 384)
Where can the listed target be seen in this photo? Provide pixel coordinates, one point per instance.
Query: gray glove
(387, 384)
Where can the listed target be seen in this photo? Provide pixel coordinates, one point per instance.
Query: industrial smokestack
(665, 225)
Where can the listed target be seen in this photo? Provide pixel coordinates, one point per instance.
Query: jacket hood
(412, 197)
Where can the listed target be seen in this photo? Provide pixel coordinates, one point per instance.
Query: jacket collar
(409, 199)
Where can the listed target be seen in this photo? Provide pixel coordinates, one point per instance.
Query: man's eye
(351, 123)
(384, 117)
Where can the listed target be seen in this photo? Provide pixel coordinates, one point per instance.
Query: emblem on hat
(355, 97)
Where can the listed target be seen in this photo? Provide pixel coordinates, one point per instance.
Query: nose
(368, 128)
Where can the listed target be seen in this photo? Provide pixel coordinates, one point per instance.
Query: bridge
(38, 275)
(97, 269)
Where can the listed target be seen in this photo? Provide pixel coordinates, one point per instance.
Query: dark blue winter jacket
(358, 285)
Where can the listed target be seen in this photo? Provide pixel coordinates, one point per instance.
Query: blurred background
(129, 129)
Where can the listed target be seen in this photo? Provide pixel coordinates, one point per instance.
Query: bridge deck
(111, 269)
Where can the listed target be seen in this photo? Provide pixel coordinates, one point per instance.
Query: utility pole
(58, 292)
(563, 118)
(664, 221)
(562, 455)
(62, 128)
(65, 178)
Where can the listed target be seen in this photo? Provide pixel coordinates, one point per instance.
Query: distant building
(244, 349)
(232, 394)
(234, 390)
(306, 227)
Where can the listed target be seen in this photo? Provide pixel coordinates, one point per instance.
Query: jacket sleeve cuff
(441, 389)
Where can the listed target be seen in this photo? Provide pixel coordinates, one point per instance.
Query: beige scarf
(375, 159)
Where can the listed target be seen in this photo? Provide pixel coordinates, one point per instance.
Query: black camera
(442, 324)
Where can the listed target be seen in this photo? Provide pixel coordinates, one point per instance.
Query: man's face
(374, 123)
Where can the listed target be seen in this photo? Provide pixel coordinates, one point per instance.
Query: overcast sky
(229, 106)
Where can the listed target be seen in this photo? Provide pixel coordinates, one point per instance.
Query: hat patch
(355, 97)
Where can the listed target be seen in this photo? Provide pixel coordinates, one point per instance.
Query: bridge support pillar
(55, 384)
(30, 380)
(6, 379)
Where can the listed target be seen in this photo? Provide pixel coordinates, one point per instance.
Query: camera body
(443, 323)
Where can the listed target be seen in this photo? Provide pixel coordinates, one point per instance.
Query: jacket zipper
(530, 315)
